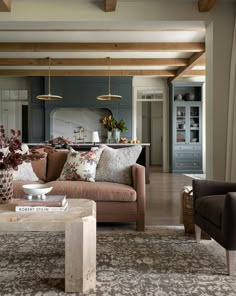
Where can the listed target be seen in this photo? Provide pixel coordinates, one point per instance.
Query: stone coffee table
(78, 222)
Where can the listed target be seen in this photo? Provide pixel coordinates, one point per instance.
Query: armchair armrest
(229, 220)
(210, 187)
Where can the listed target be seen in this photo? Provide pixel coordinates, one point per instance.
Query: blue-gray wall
(77, 92)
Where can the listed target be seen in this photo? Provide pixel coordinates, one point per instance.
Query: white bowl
(38, 190)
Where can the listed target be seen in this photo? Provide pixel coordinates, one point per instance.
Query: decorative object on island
(81, 132)
(114, 128)
(11, 156)
(109, 97)
(95, 137)
(60, 142)
(49, 97)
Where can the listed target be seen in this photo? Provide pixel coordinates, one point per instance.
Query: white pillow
(25, 173)
(115, 164)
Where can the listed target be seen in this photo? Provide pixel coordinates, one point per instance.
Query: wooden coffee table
(78, 222)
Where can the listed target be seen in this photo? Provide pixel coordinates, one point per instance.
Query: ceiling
(163, 49)
(148, 48)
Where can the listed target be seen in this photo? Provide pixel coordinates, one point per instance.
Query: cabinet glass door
(180, 124)
(194, 124)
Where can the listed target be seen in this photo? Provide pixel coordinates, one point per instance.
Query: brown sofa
(115, 202)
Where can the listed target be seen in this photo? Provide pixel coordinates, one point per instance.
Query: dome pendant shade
(49, 97)
(109, 97)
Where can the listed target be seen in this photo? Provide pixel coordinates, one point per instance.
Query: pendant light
(49, 97)
(109, 97)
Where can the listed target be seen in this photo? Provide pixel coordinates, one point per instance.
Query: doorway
(152, 129)
(149, 115)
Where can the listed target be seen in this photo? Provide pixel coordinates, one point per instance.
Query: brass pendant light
(49, 97)
(109, 97)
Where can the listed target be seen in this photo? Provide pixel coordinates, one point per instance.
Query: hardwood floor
(163, 204)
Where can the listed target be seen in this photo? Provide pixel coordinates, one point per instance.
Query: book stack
(52, 203)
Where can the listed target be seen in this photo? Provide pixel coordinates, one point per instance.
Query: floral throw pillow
(80, 166)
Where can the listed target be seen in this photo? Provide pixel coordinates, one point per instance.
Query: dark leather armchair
(214, 211)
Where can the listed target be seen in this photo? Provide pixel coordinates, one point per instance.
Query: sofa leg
(140, 224)
(230, 259)
(198, 232)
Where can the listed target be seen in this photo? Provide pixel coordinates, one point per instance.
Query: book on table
(49, 201)
(28, 209)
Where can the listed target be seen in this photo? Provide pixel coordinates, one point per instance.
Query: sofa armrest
(210, 187)
(139, 184)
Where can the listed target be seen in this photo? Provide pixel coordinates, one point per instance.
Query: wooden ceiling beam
(205, 5)
(110, 5)
(162, 73)
(195, 73)
(94, 47)
(192, 62)
(5, 5)
(94, 62)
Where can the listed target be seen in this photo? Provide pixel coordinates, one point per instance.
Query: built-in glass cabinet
(186, 127)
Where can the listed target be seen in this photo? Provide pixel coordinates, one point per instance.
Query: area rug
(160, 262)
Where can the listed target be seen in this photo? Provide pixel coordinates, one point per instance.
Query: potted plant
(115, 127)
(11, 156)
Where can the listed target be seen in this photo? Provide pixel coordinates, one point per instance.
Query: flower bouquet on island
(115, 127)
(111, 123)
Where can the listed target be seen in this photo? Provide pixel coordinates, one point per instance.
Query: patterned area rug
(159, 262)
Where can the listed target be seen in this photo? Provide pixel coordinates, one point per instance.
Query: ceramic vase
(6, 186)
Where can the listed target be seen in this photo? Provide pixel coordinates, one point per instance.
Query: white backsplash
(67, 120)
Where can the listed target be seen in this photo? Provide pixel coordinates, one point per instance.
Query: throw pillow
(115, 164)
(80, 165)
(25, 171)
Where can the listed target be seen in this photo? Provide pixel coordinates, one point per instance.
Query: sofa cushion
(98, 191)
(115, 164)
(80, 166)
(211, 208)
(40, 166)
(55, 164)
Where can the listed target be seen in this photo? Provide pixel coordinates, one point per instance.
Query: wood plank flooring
(163, 204)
